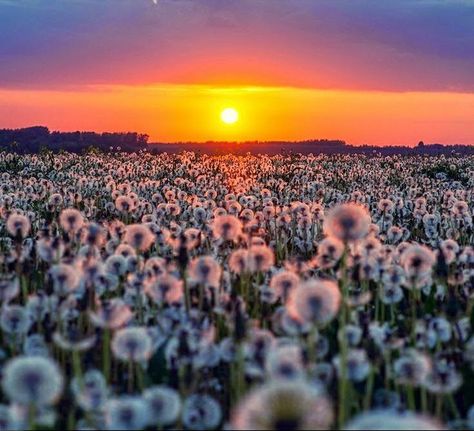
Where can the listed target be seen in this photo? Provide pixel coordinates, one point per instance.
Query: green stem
(369, 389)
(31, 417)
(76, 362)
(439, 406)
(411, 398)
(106, 354)
(454, 408)
(312, 345)
(424, 400)
(140, 381)
(130, 376)
(342, 383)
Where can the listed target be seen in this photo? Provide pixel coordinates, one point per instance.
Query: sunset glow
(229, 116)
(170, 69)
(192, 112)
(236, 214)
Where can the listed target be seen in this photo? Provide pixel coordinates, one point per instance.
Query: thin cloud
(403, 45)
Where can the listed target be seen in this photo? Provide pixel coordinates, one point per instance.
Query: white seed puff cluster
(142, 291)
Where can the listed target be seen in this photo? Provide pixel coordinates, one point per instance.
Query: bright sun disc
(229, 116)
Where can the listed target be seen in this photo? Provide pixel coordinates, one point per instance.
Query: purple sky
(392, 45)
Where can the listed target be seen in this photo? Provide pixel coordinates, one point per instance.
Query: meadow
(282, 292)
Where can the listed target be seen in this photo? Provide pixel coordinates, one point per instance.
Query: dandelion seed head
(164, 405)
(283, 405)
(71, 220)
(126, 413)
(139, 236)
(205, 270)
(201, 412)
(132, 344)
(391, 419)
(18, 225)
(32, 381)
(347, 222)
(316, 301)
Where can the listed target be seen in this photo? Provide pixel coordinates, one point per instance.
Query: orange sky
(170, 112)
(375, 72)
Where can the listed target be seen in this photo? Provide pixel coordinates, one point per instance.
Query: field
(252, 292)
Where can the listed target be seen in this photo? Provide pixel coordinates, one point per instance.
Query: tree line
(35, 139)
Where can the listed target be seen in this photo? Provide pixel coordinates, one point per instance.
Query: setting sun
(229, 116)
(236, 214)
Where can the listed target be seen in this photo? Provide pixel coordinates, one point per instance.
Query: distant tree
(33, 139)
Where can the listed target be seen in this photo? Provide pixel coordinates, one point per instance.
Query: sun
(229, 116)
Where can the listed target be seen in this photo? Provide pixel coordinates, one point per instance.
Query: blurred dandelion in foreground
(132, 344)
(124, 204)
(227, 227)
(283, 283)
(139, 237)
(112, 314)
(205, 270)
(261, 258)
(90, 391)
(15, 320)
(417, 260)
(164, 405)
(239, 261)
(208, 291)
(392, 420)
(358, 366)
(166, 289)
(32, 381)
(285, 362)
(18, 225)
(412, 368)
(316, 302)
(201, 412)
(126, 413)
(347, 222)
(71, 220)
(283, 405)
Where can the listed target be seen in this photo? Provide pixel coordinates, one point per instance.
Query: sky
(367, 71)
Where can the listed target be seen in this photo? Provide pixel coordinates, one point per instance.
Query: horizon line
(249, 86)
(247, 141)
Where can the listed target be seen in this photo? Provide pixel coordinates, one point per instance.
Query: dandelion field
(144, 291)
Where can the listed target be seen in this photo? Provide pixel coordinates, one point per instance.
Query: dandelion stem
(187, 300)
(312, 345)
(452, 404)
(342, 386)
(130, 376)
(31, 417)
(411, 398)
(106, 354)
(369, 389)
(439, 406)
(76, 361)
(140, 382)
(71, 419)
(424, 400)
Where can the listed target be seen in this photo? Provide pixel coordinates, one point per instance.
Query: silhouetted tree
(32, 139)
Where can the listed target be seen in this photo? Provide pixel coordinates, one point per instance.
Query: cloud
(403, 45)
